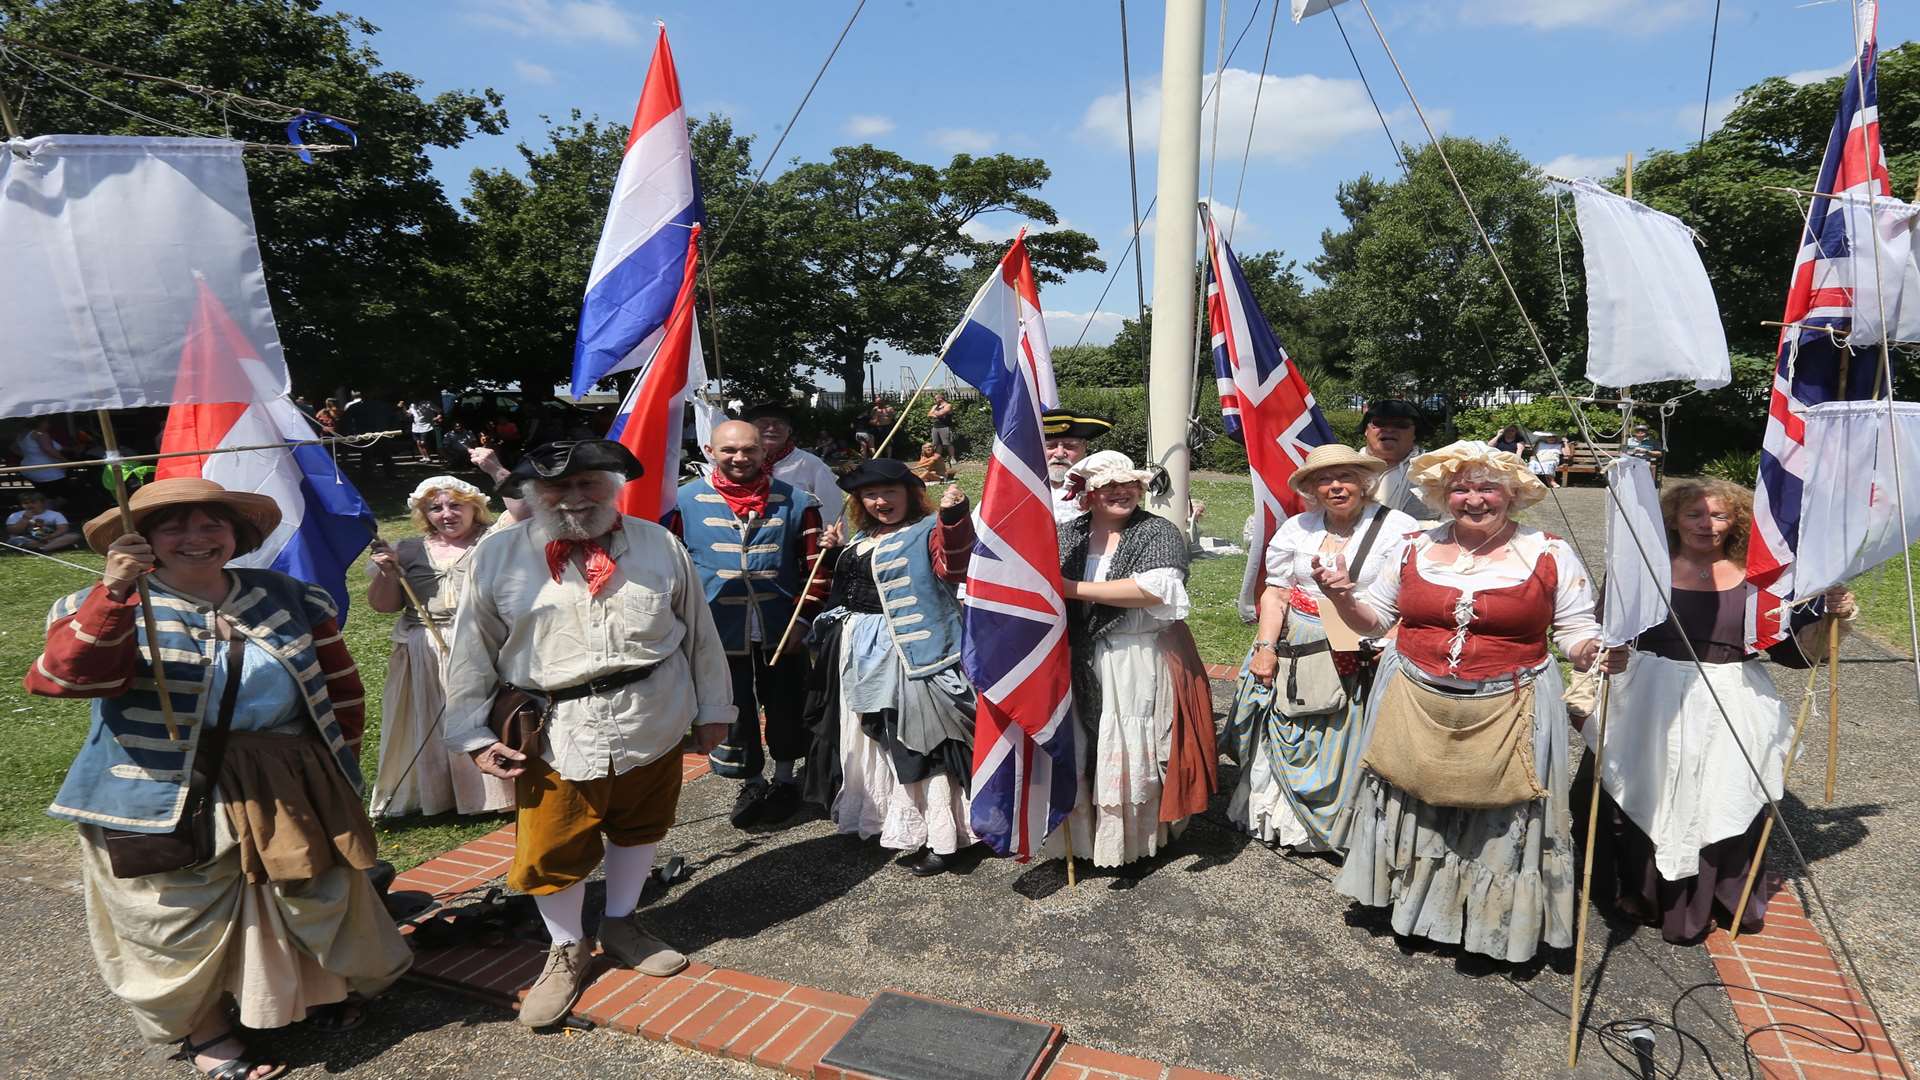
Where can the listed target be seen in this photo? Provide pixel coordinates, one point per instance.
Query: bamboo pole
(112, 443)
(198, 453)
(1833, 704)
(1066, 825)
(1766, 830)
(1586, 873)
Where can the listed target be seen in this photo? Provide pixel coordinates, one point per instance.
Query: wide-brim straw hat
(1334, 456)
(1432, 472)
(259, 511)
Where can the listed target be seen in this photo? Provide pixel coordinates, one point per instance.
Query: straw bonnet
(258, 511)
(1101, 469)
(1334, 456)
(450, 484)
(1432, 472)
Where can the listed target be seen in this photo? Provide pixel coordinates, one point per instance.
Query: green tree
(349, 243)
(879, 253)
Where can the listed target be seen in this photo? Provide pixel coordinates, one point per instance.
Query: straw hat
(1334, 456)
(258, 511)
(1432, 472)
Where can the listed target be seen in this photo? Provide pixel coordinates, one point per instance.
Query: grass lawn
(47, 733)
(1883, 603)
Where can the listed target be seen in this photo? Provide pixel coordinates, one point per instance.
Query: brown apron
(1473, 752)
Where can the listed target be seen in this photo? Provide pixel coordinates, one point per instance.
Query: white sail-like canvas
(1890, 289)
(1851, 506)
(1639, 570)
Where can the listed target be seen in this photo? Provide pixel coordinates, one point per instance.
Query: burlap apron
(1474, 752)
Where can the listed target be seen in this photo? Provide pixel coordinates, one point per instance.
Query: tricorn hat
(259, 511)
(1065, 423)
(880, 471)
(556, 460)
(778, 410)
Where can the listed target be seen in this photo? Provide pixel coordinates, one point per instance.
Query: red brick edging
(771, 1023)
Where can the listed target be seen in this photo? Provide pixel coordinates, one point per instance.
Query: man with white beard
(603, 617)
(1067, 434)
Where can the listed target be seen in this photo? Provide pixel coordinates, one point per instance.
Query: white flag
(103, 240)
(1850, 508)
(1891, 288)
(1639, 569)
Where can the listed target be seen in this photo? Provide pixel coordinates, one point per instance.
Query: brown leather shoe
(552, 994)
(623, 940)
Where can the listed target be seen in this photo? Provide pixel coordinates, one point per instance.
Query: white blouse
(1573, 620)
(1297, 542)
(1166, 584)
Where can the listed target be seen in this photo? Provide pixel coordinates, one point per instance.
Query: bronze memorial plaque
(910, 1038)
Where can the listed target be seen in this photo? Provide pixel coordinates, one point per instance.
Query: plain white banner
(1849, 505)
(101, 241)
(1636, 598)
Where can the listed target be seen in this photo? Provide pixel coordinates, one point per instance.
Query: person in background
(1067, 435)
(1144, 744)
(603, 617)
(328, 416)
(941, 434)
(792, 465)
(416, 774)
(1390, 427)
(753, 539)
(37, 446)
(1511, 440)
(422, 414)
(366, 415)
(281, 923)
(1644, 443)
(38, 527)
(880, 425)
(891, 710)
(304, 404)
(1548, 448)
(1680, 810)
(933, 464)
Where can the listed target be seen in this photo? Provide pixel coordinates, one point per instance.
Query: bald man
(752, 539)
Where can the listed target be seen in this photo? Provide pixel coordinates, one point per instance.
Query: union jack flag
(1014, 638)
(1264, 403)
(1812, 352)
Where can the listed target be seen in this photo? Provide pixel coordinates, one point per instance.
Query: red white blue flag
(650, 418)
(645, 242)
(1264, 403)
(1820, 315)
(1014, 642)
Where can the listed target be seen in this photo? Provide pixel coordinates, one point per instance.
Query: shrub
(1735, 467)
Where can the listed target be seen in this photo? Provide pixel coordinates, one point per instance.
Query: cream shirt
(1396, 490)
(518, 625)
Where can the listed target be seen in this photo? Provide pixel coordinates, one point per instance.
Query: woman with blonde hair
(1460, 822)
(1298, 736)
(417, 775)
(1680, 809)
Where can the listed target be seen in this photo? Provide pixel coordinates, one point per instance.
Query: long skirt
(1296, 772)
(1496, 882)
(1116, 818)
(170, 945)
(439, 779)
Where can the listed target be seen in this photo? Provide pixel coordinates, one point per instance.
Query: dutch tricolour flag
(643, 252)
(1014, 646)
(324, 523)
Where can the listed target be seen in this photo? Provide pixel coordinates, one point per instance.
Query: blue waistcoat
(743, 565)
(128, 774)
(923, 612)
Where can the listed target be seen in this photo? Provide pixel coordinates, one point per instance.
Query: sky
(1572, 84)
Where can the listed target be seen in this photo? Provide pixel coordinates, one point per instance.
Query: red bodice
(1505, 630)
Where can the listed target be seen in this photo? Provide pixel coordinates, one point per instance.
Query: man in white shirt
(1390, 428)
(1067, 434)
(789, 464)
(38, 527)
(604, 617)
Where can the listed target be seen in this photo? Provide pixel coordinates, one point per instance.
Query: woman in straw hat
(1298, 739)
(1460, 823)
(271, 906)
(417, 774)
(1145, 739)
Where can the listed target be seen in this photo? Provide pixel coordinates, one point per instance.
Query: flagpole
(371, 435)
(1170, 364)
(1586, 873)
(1766, 830)
(112, 443)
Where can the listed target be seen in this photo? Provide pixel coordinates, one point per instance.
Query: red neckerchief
(779, 455)
(599, 564)
(748, 499)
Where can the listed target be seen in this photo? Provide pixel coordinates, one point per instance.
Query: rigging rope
(205, 93)
(1713, 47)
(1133, 190)
(1246, 154)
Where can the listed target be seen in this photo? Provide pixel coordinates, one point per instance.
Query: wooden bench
(1590, 459)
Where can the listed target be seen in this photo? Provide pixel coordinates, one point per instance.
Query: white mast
(1170, 365)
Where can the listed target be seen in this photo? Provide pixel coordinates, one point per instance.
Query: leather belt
(603, 684)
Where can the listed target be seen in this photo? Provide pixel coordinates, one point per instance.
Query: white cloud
(1814, 75)
(1233, 222)
(1631, 16)
(868, 126)
(962, 140)
(1591, 166)
(538, 74)
(1688, 116)
(599, 21)
(1064, 327)
(1300, 115)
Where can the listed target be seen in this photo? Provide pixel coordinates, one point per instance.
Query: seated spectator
(1511, 440)
(1548, 448)
(933, 465)
(1644, 443)
(36, 526)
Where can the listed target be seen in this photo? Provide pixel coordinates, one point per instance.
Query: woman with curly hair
(417, 775)
(1680, 809)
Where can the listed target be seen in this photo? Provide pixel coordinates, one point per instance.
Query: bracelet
(1268, 645)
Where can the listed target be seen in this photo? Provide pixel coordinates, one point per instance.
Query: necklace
(1700, 573)
(1491, 542)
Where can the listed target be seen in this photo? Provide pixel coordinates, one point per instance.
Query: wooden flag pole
(1766, 830)
(1833, 704)
(1586, 873)
(112, 443)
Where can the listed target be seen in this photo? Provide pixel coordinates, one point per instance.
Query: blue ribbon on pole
(294, 125)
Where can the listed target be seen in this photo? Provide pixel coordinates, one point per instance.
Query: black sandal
(239, 1068)
(339, 1017)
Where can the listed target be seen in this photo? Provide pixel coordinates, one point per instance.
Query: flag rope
(365, 439)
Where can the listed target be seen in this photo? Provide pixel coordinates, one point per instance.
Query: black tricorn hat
(1065, 423)
(556, 460)
(880, 471)
(779, 410)
(1391, 409)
